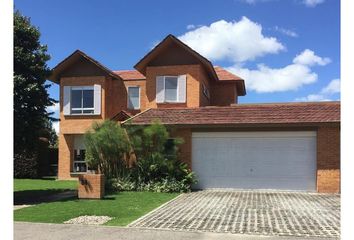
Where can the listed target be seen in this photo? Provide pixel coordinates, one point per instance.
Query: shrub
(166, 185)
(157, 154)
(25, 165)
(106, 147)
(157, 168)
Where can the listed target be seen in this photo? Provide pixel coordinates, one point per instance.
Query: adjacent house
(286, 146)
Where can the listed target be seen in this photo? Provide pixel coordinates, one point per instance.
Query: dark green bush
(166, 185)
(25, 165)
(157, 167)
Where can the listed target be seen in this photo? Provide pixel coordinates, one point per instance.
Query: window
(206, 91)
(171, 84)
(82, 100)
(134, 97)
(79, 163)
(171, 89)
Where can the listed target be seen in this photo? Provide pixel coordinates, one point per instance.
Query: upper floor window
(134, 97)
(171, 84)
(171, 89)
(82, 100)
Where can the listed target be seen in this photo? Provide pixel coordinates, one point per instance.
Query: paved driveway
(250, 212)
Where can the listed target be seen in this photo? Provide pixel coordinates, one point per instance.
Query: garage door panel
(284, 160)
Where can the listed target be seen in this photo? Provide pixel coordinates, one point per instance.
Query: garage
(283, 160)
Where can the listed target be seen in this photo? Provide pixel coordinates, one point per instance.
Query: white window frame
(128, 97)
(82, 109)
(164, 89)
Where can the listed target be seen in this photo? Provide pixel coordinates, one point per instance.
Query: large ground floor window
(79, 163)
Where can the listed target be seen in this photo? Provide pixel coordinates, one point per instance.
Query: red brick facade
(328, 159)
(224, 89)
(91, 186)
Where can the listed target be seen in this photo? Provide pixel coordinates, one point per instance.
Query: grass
(124, 207)
(43, 184)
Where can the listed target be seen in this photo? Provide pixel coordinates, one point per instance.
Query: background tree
(30, 90)
(30, 96)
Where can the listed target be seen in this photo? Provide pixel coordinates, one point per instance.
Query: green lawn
(124, 207)
(30, 191)
(43, 184)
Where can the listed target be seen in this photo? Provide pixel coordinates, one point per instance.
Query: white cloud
(332, 88)
(265, 79)
(253, 2)
(55, 108)
(308, 57)
(286, 32)
(325, 94)
(190, 26)
(56, 126)
(234, 41)
(312, 3)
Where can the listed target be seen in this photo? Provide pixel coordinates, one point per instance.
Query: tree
(30, 89)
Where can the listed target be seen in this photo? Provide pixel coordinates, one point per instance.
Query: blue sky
(287, 50)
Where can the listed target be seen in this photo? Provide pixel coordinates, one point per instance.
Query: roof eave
(141, 65)
(55, 76)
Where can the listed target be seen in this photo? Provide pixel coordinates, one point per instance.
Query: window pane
(76, 111)
(171, 88)
(87, 98)
(133, 97)
(87, 111)
(76, 96)
(80, 167)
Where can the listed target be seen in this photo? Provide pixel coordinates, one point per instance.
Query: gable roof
(130, 74)
(121, 116)
(142, 64)
(225, 75)
(71, 59)
(222, 74)
(244, 114)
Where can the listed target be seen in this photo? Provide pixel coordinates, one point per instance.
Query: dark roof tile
(275, 113)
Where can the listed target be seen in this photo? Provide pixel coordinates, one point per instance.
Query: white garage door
(255, 160)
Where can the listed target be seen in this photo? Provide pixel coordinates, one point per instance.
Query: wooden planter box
(91, 186)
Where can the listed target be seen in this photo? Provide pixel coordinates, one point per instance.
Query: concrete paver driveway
(251, 212)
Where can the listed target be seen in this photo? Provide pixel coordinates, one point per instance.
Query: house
(286, 146)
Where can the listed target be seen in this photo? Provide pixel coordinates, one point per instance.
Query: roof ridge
(136, 115)
(288, 103)
(253, 105)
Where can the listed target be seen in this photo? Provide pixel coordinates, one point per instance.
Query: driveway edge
(156, 209)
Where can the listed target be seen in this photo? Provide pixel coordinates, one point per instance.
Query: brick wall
(143, 97)
(193, 85)
(91, 186)
(66, 143)
(185, 149)
(115, 97)
(79, 124)
(328, 159)
(204, 79)
(223, 94)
